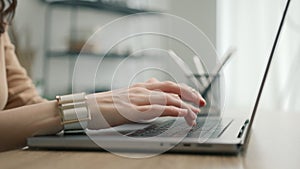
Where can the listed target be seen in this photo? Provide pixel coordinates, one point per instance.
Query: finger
(153, 111)
(188, 114)
(152, 80)
(183, 91)
(175, 100)
(194, 109)
(161, 98)
(192, 95)
(190, 118)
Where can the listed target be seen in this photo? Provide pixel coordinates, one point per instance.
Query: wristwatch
(74, 112)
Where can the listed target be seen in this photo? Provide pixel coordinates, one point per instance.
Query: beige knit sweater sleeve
(20, 88)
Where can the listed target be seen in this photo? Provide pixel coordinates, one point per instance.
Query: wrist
(103, 111)
(97, 119)
(49, 123)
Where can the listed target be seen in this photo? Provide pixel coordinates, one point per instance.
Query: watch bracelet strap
(74, 112)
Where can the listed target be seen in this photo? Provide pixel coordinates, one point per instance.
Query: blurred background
(49, 35)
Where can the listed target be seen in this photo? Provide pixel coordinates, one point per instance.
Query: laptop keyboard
(205, 128)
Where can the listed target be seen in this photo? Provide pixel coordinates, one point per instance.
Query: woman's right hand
(143, 101)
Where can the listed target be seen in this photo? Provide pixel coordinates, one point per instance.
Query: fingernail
(202, 102)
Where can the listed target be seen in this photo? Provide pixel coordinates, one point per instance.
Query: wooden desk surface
(275, 143)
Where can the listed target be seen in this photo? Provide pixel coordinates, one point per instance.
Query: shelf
(118, 6)
(97, 5)
(75, 54)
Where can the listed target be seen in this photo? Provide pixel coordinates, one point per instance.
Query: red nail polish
(202, 102)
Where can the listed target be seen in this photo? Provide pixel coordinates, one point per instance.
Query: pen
(199, 67)
(187, 71)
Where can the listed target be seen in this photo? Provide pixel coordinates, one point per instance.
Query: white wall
(251, 26)
(201, 13)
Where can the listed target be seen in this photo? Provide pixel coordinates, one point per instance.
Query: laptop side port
(187, 144)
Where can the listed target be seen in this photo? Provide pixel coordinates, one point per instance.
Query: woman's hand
(144, 101)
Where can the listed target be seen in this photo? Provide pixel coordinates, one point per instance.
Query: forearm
(19, 123)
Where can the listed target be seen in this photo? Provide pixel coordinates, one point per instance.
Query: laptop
(212, 134)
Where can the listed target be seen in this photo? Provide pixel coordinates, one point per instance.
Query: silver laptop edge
(247, 135)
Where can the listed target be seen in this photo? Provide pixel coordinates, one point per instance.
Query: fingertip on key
(194, 123)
